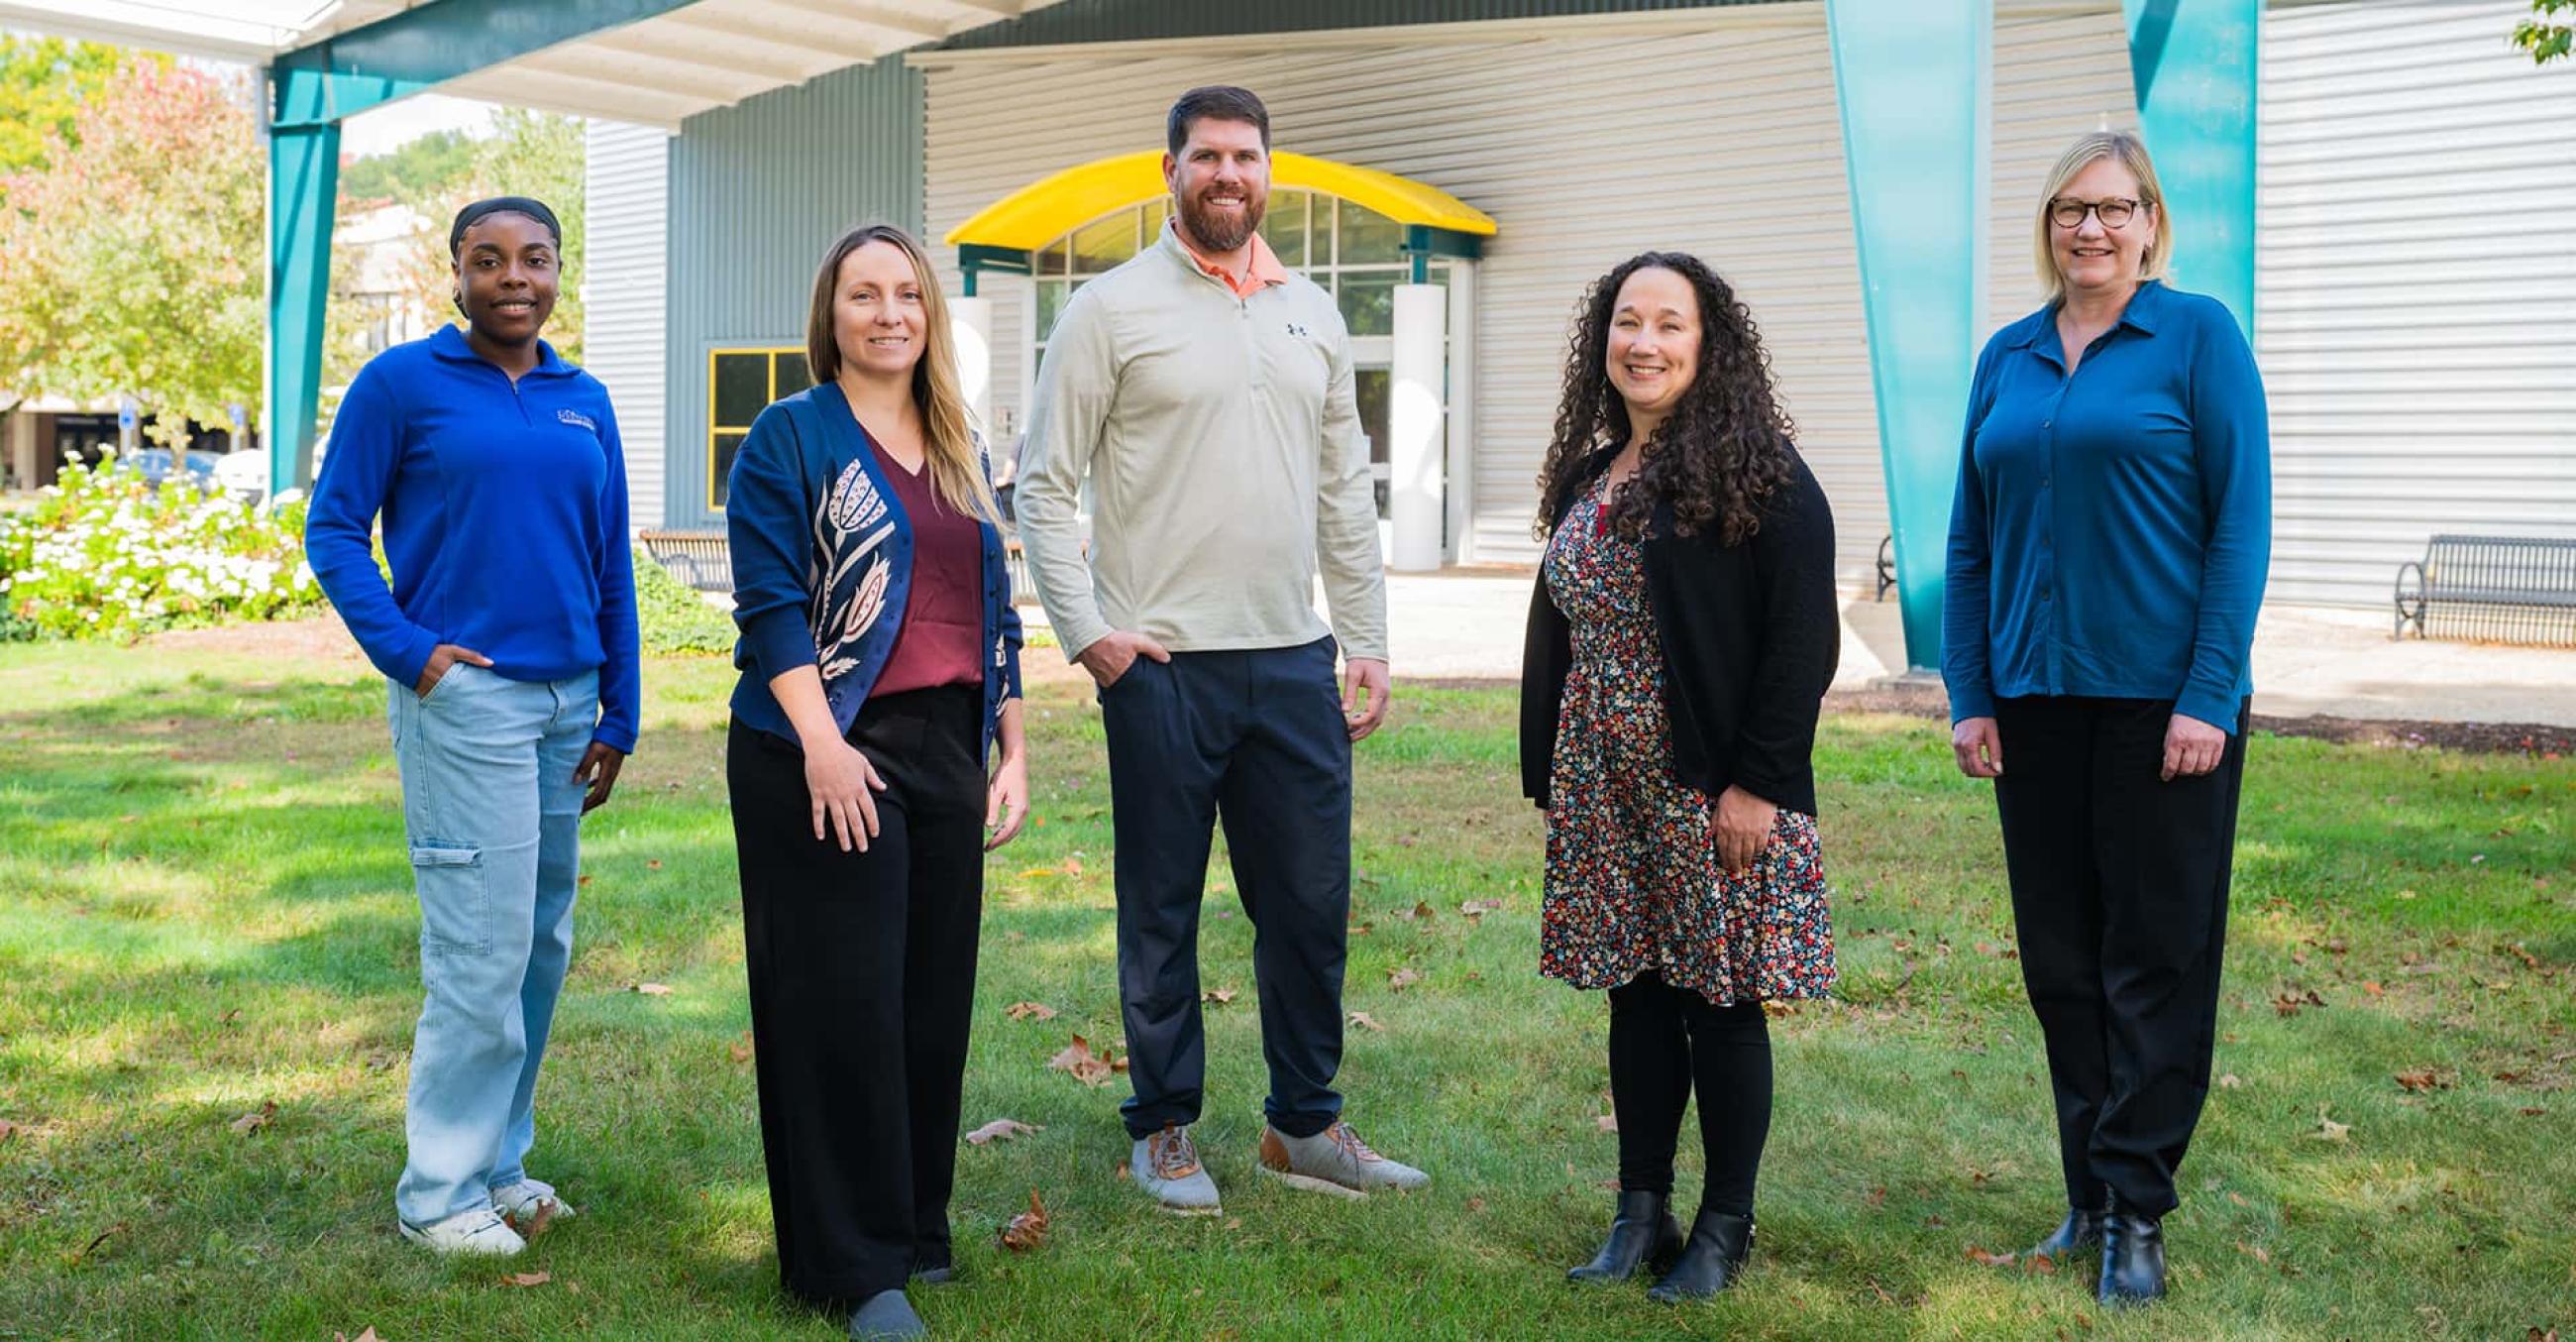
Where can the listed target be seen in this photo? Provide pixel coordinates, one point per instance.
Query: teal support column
(2193, 64)
(1913, 83)
(303, 186)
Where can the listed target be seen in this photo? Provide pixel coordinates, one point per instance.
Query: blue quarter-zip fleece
(504, 521)
(2112, 527)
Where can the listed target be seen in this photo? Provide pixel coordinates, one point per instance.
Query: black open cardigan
(1750, 635)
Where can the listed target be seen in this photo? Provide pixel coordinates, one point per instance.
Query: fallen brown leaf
(1029, 1011)
(1983, 1258)
(2330, 1131)
(2421, 1079)
(1402, 977)
(2230, 1081)
(1073, 866)
(1422, 911)
(1028, 1230)
(540, 1223)
(1475, 1204)
(1366, 1021)
(1218, 996)
(9, 1129)
(2371, 988)
(1120, 1174)
(1001, 1129)
(654, 989)
(2237, 1198)
(1082, 1064)
(1362, 929)
(1877, 1197)
(255, 1119)
(653, 864)
(1607, 1122)
(230, 1015)
(2039, 1265)
(1478, 908)
(741, 1049)
(366, 1335)
(527, 1279)
(2254, 1251)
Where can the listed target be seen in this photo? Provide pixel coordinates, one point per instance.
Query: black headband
(465, 218)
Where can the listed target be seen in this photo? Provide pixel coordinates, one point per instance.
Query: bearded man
(1206, 395)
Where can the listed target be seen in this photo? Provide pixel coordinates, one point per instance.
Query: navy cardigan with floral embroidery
(822, 566)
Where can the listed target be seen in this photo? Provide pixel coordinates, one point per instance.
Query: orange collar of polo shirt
(1264, 271)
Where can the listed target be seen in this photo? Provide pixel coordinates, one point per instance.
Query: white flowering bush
(102, 555)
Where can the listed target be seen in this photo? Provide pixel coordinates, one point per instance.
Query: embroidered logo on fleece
(1298, 331)
(577, 418)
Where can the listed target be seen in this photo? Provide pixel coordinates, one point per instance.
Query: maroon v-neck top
(941, 642)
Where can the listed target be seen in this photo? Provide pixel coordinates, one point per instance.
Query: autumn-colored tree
(2545, 40)
(44, 81)
(132, 264)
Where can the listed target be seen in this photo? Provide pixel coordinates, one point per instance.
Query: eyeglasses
(2113, 211)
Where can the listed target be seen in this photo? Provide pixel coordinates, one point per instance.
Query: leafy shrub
(672, 616)
(103, 555)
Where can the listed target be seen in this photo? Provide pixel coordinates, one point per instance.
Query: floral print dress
(1633, 882)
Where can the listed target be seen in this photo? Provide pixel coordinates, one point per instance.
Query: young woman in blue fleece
(2107, 555)
(509, 638)
(880, 665)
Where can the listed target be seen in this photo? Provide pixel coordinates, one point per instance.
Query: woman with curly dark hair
(1682, 635)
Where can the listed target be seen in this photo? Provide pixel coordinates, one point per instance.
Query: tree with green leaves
(2546, 40)
(44, 82)
(133, 263)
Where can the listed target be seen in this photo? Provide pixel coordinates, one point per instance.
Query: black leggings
(1664, 1039)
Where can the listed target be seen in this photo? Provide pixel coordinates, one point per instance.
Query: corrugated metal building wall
(2415, 288)
(625, 292)
(758, 190)
(2056, 76)
(1542, 132)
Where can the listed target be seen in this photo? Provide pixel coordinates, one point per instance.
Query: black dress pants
(1255, 737)
(2119, 891)
(862, 969)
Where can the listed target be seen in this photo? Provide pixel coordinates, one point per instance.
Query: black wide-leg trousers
(2119, 892)
(862, 969)
(1255, 739)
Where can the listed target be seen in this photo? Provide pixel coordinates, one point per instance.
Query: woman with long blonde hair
(880, 667)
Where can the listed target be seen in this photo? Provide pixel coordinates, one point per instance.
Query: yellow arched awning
(1044, 211)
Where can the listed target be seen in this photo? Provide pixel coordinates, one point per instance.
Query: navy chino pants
(1255, 739)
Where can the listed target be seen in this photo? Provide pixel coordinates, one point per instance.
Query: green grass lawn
(205, 912)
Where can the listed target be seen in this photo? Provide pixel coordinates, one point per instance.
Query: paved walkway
(1467, 625)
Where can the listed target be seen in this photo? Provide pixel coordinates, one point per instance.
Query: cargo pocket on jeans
(455, 908)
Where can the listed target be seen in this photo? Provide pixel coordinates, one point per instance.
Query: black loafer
(1710, 1260)
(2133, 1259)
(1643, 1233)
(2081, 1232)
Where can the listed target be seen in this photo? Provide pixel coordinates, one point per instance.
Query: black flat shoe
(2133, 1259)
(1644, 1232)
(1710, 1260)
(2080, 1233)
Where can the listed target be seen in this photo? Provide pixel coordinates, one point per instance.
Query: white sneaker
(480, 1231)
(519, 1201)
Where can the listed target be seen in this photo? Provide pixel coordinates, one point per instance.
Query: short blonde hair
(2084, 153)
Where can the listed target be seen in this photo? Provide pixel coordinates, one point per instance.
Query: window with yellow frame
(740, 384)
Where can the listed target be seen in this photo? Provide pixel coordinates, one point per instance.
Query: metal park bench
(1886, 565)
(701, 559)
(2503, 589)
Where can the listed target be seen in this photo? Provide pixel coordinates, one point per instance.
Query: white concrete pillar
(970, 324)
(22, 448)
(1416, 449)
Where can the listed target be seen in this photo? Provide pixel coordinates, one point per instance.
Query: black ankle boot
(2081, 1232)
(1644, 1232)
(2133, 1258)
(1715, 1253)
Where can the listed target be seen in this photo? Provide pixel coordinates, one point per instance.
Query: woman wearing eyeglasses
(2107, 555)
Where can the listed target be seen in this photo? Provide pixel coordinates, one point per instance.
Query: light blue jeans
(494, 819)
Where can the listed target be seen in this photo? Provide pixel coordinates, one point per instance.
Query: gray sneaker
(1334, 1161)
(1166, 1165)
